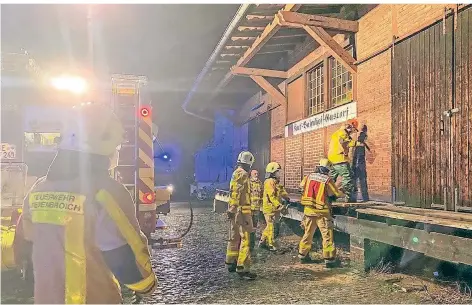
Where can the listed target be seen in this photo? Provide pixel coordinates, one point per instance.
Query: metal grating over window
(341, 82)
(315, 90)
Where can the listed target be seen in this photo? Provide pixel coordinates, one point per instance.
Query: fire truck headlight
(73, 84)
(170, 188)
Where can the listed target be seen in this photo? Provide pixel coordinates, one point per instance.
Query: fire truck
(33, 115)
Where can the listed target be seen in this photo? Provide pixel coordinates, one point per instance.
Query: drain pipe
(239, 15)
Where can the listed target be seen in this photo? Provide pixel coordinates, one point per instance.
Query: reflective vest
(256, 194)
(316, 189)
(239, 188)
(339, 146)
(70, 223)
(273, 194)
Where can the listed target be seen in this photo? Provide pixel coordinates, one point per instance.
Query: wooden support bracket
(271, 90)
(298, 20)
(259, 72)
(325, 40)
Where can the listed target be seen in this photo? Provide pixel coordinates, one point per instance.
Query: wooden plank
(468, 109)
(432, 213)
(271, 90)
(299, 20)
(259, 72)
(243, 38)
(259, 17)
(251, 28)
(236, 47)
(324, 39)
(427, 127)
(445, 247)
(418, 218)
(449, 98)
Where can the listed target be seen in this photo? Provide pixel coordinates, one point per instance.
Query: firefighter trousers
(268, 235)
(347, 183)
(238, 250)
(325, 223)
(360, 174)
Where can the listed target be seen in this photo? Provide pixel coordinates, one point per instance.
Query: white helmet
(245, 157)
(95, 130)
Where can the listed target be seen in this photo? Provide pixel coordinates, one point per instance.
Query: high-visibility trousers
(238, 250)
(255, 221)
(325, 223)
(268, 235)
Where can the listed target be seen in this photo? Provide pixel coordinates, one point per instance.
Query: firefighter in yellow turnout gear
(272, 204)
(238, 254)
(82, 224)
(318, 193)
(256, 203)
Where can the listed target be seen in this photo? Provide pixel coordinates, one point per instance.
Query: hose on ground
(171, 240)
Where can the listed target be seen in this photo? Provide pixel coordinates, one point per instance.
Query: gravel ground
(196, 272)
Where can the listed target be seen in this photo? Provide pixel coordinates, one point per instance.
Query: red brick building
(404, 70)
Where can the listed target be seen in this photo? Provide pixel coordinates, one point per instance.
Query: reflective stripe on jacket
(272, 197)
(256, 194)
(339, 146)
(71, 223)
(316, 189)
(239, 190)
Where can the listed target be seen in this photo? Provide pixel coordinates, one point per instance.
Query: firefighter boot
(231, 267)
(307, 259)
(246, 275)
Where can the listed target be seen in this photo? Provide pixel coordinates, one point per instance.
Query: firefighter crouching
(318, 193)
(238, 254)
(338, 155)
(271, 204)
(82, 224)
(256, 203)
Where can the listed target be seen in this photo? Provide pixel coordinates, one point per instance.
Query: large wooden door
(431, 116)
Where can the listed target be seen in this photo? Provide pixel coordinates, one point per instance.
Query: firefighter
(318, 193)
(359, 165)
(338, 155)
(82, 225)
(256, 203)
(238, 254)
(272, 204)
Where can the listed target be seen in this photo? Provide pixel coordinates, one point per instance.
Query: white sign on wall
(334, 116)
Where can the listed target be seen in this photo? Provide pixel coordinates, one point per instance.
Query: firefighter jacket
(339, 146)
(256, 194)
(240, 196)
(317, 188)
(85, 235)
(273, 195)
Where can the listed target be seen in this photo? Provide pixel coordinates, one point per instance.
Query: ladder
(125, 104)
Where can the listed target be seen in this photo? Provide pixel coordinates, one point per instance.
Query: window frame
(319, 65)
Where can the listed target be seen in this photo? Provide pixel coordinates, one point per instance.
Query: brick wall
(376, 30)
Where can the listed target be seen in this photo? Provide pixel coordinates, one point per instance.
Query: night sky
(167, 43)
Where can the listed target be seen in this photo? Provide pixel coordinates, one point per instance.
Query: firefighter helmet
(325, 162)
(353, 123)
(95, 129)
(272, 167)
(245, 157)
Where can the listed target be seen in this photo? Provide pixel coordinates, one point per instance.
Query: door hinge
(450, 112)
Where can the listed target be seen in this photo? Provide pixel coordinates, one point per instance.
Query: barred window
(341, 82)
(315, 90)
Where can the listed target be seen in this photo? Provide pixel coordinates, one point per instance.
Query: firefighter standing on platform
(256, 203)
(82, 223)
(338, 155)
(318, 193)
(359, 165)
(272, 204)
(238, 254)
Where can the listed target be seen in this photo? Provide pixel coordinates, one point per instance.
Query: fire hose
(172, 242)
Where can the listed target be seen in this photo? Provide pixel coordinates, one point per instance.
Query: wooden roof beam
(338, 52)
(236, 38)
(260, 17)
(251, 28)
(236, 47)
(298, 20)
(258, 72)
(271, 90)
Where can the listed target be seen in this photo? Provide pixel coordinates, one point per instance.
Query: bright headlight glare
(73, 84)
(170, 188)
